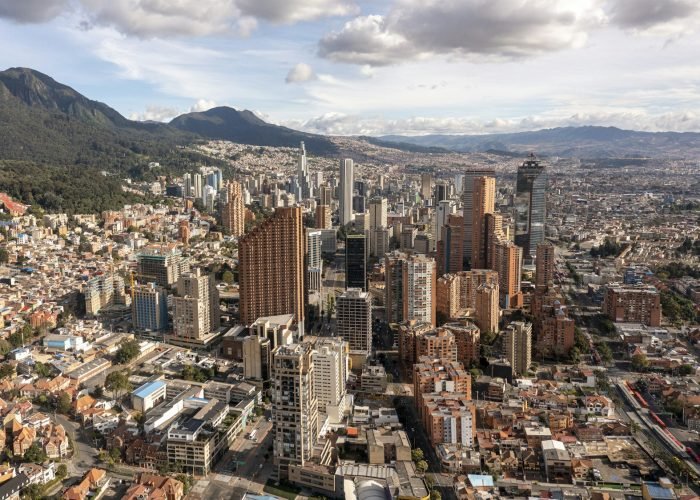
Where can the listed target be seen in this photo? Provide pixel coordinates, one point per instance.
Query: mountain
(581, 142)
(228, 124)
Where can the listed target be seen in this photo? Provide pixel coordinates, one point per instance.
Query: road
(84, 453)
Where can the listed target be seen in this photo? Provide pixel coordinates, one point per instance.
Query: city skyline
(301, 64)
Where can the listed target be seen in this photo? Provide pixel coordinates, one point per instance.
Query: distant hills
(580, 142)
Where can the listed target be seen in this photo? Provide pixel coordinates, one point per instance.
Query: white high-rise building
(517, 346)
(354, 319)
(444, 209)
(197, 187)
(419, 278)
(331, 373)
(314, 244)
(347, 181)
(377, 220)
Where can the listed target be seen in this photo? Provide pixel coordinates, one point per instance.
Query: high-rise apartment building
(233, 210)
(410, 288)
(468, 205)
(508, 264)
(325, 196)
(487, 311)
(160, 265)
(557, 333)
(330, 358)
(517, 346)
(426, 186)
(447, 295)
(530, 206)
(468, 338)
(354, 319)
(633, 304)
(303, 177)
(314, 260)
(271, 267)
(294, 406)
(149, 308)
(377, 221)
(193, 314)
(544, 270)
(356, 261)
(443, 211)
(345, 191)
(493, 234)
(483, 202)
(323, 217)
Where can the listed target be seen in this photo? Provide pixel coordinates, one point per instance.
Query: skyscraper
(354, 319)
(517, 346)
(444, 209)
(450, 245)
(530, 206)
(256, 358)
(410, 288)
(426, 186)
(303, 177)
(346, 190)
(508, 263)
(314, 260)
(160, 265)
(483, 200)
(294, 406)
(271, 267)
(356, 261)
(467, 206)
(325, 195)
(323, 217)
(377, 220)
(233, 210)
(149, 309)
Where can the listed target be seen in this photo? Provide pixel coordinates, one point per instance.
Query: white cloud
(291, 11)
(301, 72)
(472, 28)
(202, 105)
(156, 114)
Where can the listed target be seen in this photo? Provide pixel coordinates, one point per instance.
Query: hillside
(581, 142)
(228, 124)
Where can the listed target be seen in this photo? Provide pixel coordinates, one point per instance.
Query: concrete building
(271, 268)
(545, 262)
(354, 320)
(410, 288)
(468, 205)
(149, 308)
(377, 222)
(356, 261)
(347, 182)
(256, 358)
(426, 187)
(449, 247)
(330, 358)
(633, 304)
(233, 210)
(161, 266)
(294, 406)
(314, 270)
(467, 337)
(487, 310)
(557, 462)
(323, 217)
(148, 396)
(517, 346)
(193, 315)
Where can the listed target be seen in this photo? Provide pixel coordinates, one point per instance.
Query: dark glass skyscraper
(530, 206)
(356, 261)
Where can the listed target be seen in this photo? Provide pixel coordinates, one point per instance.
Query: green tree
(640, 362)
(43, 370)
(115, 454)
(98, 392)
(435, 495)
(606, 355)
(6, 370)
(186, 480)
(227, 277)
(62, 471)
(127, 352)
(417, 455)
(4, 255)
(64, 403)
(35, 454)
(16, 340)
(33, 492)
(118, 383)
(685, 370)
(422, 466)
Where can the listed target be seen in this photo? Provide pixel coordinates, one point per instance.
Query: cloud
(660, 16)
(156, 114)
(343, 124)
(302, 72)
(173, 18)
(473, 28)
(31, 11)
(202, 105)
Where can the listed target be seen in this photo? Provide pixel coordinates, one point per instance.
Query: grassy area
(281, 490)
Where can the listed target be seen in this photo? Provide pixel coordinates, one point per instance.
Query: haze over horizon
(344, 67)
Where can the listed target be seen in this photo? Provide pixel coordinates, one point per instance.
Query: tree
(330, 306)
(16, 340)
(43, 370)
(6, 370)
(227, 277)
(97, 392)
(640, 362)
(606, 355)
(417, 455)
(35, 454)
(118, 383)
(33, 492)
(685, 370)
(4, 255)
(64, 403)
(422, 466)
(62, 471)
(186, 480)
(435, 495)
(115, 454)
(127, 352)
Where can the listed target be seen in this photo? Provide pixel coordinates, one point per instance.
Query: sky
(348, 67)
